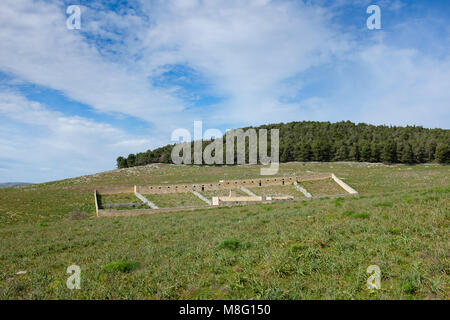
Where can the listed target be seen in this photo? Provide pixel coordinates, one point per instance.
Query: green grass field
(276, 190)
(315, 249)
(322, 187)
(175, 200)
(127, 200)
(224, 193)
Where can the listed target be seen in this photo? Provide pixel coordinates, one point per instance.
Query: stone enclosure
(142, 199)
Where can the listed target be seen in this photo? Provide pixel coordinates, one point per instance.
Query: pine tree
(121, 162)
(341, 153)
(389, 154)
(286, 155)
(376, 152)
(442, 154)
(431, 149)
(420, 154)
(366, 152)
(407, 154)
(342, 141)
(305, 152)
(131, 160)
(354, 154)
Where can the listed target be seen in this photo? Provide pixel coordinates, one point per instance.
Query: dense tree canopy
(341, 141)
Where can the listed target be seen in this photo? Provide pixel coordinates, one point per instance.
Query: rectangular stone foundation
(215, 201)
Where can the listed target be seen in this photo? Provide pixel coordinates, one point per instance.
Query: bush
(121, 266)
(232, 244)
(362, 215)
(411, 283)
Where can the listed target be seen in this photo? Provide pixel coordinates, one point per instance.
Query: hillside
(341, 141)
(312, 249)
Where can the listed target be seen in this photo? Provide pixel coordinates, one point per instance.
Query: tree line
(341, 141)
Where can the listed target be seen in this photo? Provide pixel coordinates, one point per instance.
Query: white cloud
(37, 47)
(406, 88)
(246, 49)
(34, 138)
(386, 85)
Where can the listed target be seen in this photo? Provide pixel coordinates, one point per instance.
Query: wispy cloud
(37, 47)
(34, 138)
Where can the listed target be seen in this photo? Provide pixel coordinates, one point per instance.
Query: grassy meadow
(315, 249)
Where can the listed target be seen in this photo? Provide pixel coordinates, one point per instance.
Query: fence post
(96, 202)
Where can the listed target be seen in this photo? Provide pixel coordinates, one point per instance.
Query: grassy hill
(292, 250)
(340, 141)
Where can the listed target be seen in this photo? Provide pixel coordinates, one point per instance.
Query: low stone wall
(120, 205)
(275, 198)
(137, 212)
(345, 186)
(199, 187)
(226, 185)
(241, 199)
(248, 192)
(115, 190)
(145, 200)
(201, 197)
(302, 190)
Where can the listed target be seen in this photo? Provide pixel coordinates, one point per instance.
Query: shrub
(362, 215)
(411, 283)
(232, 244)
(121, 266)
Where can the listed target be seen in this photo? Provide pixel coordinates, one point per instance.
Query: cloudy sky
(71, 101)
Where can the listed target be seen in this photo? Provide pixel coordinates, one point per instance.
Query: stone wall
(136, 212)
(345, 186)
(115, 189)
(199, 187)
(226, 185)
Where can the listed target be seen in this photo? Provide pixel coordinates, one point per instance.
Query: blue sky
(71, 101)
